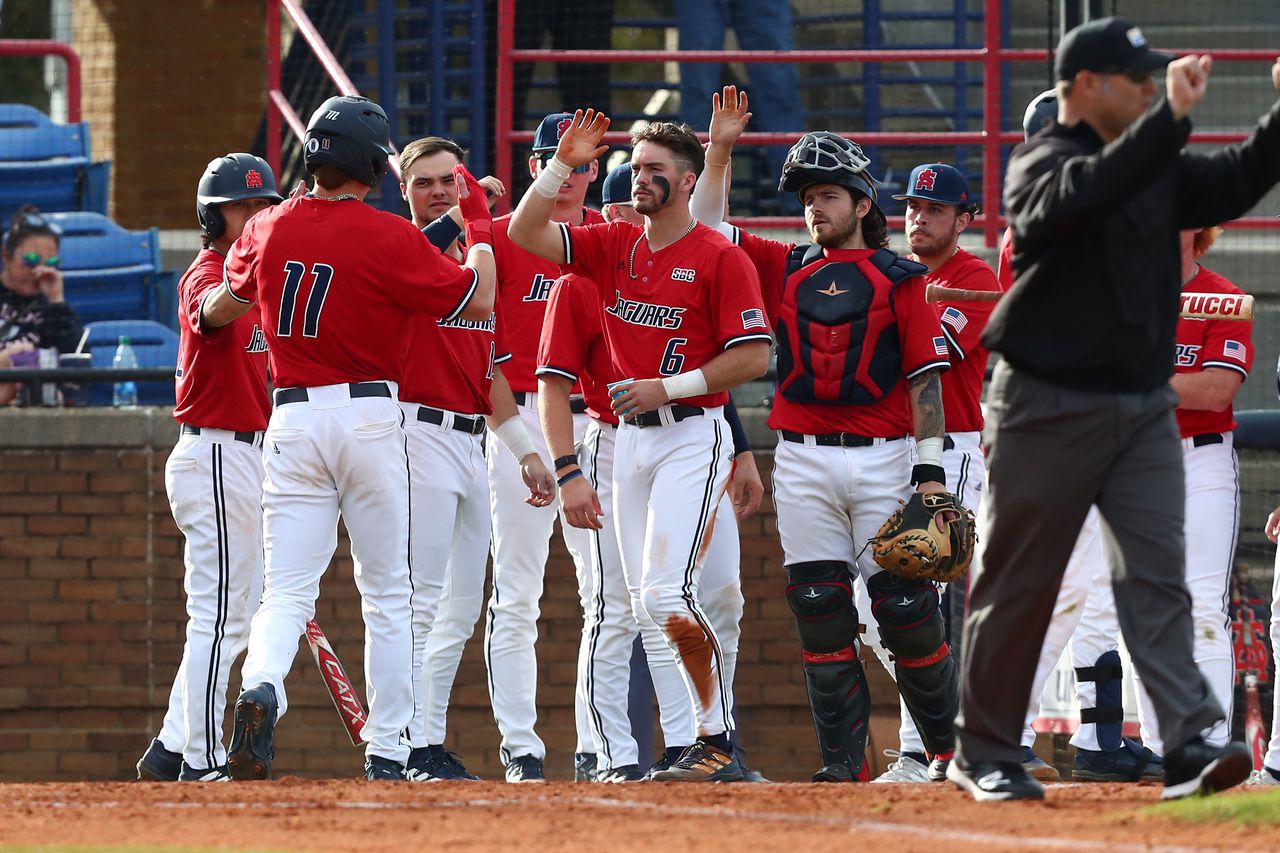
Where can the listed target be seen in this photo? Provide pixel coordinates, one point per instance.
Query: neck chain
(343, 197)
(631, 259)
(1195, 271)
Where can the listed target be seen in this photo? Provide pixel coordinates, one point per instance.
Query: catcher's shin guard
(821, 597)
(1107, 713)
(911, 629)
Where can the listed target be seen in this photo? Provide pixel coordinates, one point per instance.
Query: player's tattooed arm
(925, 391)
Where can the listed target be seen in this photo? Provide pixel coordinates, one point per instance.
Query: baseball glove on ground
(930, 537)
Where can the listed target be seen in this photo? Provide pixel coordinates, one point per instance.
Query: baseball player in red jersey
(844, 406)
(1213, 360)
(521, 534)
(684, 322)
(337, 282)
(451, 382)
(214, 478)
(938, 211)
(573, 349)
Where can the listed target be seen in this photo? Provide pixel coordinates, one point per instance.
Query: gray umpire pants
(1053, 452)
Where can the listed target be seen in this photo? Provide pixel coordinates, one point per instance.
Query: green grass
(1247, 808)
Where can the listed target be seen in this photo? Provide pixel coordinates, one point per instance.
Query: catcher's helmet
(1042, 108)
(234, 177)
(823, 157)
(351, 133)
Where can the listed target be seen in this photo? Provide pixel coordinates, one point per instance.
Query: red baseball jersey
(962, 323)
(449, 364)
(337, 283)
(573, 345)
(674, 310)
(1223, 344)
(924, 347)
(221, 379)
(524, 285)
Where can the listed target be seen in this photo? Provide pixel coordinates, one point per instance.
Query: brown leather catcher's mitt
(931, 537)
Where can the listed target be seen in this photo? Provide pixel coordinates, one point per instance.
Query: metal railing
(46, 47)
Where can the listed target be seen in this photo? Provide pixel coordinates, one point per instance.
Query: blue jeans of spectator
(772, 86)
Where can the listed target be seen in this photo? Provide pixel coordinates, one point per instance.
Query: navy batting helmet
(1042, 108)
(823, 157)
(234, 177)
(352, 134)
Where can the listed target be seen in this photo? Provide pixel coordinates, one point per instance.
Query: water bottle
(124, 394)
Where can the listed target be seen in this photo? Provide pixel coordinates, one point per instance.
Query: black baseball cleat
(158, 764)
(670, 756)
(584, 766)
(198, 774)
(436, 764)
(617, 775)
(835, 773)
(525, 768)
(701, 762)
(252, 734)
(379, 769)
(1198, 768)
(1129, 762)
(989, 781)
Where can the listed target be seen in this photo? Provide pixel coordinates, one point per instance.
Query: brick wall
(167, 87)
(91, 626)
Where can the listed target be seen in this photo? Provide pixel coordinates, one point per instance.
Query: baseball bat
(1199, 306)
(1254, 731)
(336, 681)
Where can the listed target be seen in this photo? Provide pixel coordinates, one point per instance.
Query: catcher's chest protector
(837, 335)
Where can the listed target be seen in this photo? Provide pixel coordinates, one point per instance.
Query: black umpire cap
(1109, 46)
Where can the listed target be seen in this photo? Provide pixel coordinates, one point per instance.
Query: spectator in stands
(33, 313)
(759, 25)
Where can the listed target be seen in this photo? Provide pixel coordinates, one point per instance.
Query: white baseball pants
(521, 542)
(449, 541)
(214, 483)
(332, 455)
(668, 481)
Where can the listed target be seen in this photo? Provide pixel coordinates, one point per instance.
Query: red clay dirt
(341, 815)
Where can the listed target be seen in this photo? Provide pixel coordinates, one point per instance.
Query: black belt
(577, 404)
(1206, 438)
(679, 412)
(246, 437)
(836, 439)
(358, 389)
(462, 423)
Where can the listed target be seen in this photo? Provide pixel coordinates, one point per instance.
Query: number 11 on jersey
(322, 275)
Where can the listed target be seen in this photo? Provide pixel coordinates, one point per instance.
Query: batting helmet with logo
(352, 134)
(234, 177)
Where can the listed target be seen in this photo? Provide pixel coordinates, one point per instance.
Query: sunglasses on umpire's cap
(937, 182)
(1108, 46)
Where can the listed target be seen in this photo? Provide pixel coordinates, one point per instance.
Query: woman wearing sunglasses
(33, 313)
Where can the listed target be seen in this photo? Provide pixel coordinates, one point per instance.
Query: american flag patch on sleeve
(940, 346)
(955, 318)
(753, 318)
(1233, 349)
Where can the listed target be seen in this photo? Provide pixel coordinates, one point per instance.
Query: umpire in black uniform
(1080, 410)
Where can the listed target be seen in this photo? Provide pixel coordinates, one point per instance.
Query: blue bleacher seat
(154, 344)
(110, 273)
(47, 164)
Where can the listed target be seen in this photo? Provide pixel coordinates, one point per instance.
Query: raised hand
(1186, 80)
(580, 144)
(729, 115)
(494, 189)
